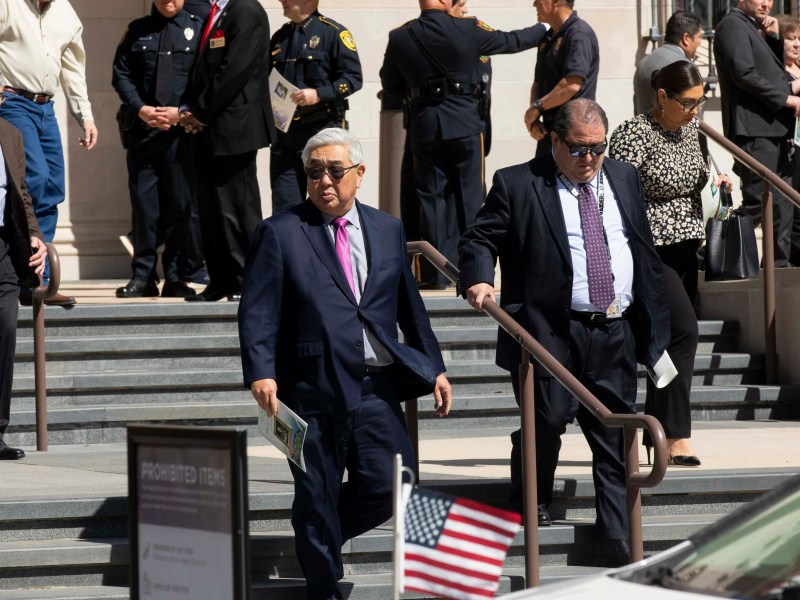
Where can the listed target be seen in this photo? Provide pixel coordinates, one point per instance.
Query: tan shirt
(39, 49)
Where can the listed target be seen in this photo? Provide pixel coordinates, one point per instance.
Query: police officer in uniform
(150, 72)
(319, 56)
(432, 61)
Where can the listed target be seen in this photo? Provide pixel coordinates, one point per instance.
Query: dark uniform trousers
(604, 360)
(448, 176)
(159, 178)
(229, 203)
(9, 307)
(326, 512)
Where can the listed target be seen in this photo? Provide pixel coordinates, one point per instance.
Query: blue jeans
(44, 159)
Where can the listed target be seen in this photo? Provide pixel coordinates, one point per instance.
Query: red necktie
(209, 25)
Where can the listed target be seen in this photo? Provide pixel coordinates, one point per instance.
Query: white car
(752, 553)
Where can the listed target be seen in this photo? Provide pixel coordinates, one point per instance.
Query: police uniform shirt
(135, 64)
(571, 51)
(320, 54)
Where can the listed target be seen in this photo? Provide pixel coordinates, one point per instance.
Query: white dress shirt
(619, 248)
(39, 49)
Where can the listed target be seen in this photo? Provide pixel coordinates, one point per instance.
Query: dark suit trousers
(671, 404)
(326, 512)
(604, 360)
(448, 175)
(9, 306)
(773, 154)
(229, 204)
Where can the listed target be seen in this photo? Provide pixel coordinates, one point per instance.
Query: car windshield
(759, 557)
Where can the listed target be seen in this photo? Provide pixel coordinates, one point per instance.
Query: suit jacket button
(359, 343)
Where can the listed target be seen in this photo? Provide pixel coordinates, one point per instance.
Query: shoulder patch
(329, 22)
(122, 39)
(347, 40)
(484, 59)
(483, 25)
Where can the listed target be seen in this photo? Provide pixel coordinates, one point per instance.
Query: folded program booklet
(286, 431)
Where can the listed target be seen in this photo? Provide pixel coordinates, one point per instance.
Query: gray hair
(334, 136)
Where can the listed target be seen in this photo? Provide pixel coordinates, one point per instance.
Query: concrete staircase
(110, 365)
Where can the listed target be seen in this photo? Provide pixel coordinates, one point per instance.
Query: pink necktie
(343, 250)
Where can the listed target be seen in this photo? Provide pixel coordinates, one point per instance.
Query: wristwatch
(537, 104)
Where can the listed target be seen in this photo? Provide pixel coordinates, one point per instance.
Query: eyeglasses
(336, 172)
(688, 105)
(581, 151)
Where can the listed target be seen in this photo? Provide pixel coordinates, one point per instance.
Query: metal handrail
(629, 423)
(40, 294)
(767, 238)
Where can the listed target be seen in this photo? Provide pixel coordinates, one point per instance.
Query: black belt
(439, 91)
(595, 318)
(322, 112)
(37, 98)
(372, 369)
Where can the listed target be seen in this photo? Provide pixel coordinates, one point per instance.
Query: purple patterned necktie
(343, 250)
(598, 263)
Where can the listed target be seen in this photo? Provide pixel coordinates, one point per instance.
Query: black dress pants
(159, 180)
(229, 204)
(671, 404)
(448, 176)
(326, 512)
(604, 360)
(9, 307)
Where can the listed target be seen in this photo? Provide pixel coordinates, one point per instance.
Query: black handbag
(731, 251)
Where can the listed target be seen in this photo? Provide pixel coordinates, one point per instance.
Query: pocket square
(218, 34)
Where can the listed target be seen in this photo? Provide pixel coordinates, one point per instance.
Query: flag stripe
(450, 586)
(459, 523)
(450, 557)
(414, 562)
(510, 525)
(471, 539)
(486, 510)
(458, 548)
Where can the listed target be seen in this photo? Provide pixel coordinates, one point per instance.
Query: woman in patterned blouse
(663, 145)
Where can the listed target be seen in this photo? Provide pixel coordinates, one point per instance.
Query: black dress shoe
(26, 299)
(138, 288)
(543, 517)
(176, 289)
(209, 295)
(8, 453)
(431, 286)
(235, 297)
(683, 460)
(612, 553)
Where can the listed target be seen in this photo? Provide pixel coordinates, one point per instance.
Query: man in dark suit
(22, 254)
(759, 105)
(580, 273)
(326, 285)
(431, 61)
(227, 104)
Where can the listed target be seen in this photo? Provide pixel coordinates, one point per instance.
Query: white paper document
(280, 95)
(286, 431)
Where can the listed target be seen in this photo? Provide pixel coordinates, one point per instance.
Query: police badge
(188, 33)
(313, 42)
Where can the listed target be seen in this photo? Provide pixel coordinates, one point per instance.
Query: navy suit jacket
(522, 224)
(300, 324)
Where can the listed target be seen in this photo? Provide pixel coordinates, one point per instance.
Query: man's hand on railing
(443, 396)
(793, 102)
(39, 254)
(478, 293)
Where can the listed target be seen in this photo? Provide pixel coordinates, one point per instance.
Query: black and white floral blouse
(673, 174)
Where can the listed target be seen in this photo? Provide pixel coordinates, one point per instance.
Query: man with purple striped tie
(580, 273)
(326, 285)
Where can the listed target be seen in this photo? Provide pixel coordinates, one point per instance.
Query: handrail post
(530, 488)
(633, 493)
(40, 380)
(768, 246)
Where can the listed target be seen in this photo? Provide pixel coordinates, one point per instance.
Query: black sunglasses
(581, 151)
(688, 105)
(335, 172)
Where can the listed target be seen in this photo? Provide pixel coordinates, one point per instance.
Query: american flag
(454, 548)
